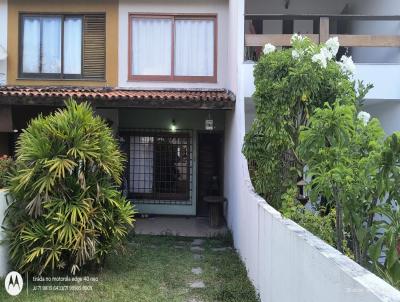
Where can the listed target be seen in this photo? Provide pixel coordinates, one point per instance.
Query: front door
(209, 175)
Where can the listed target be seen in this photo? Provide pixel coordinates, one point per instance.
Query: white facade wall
(384, 77)
(219, 7)
(388, 112)
(3, 39)
(234, 120)
(295, 6)
(376, 7)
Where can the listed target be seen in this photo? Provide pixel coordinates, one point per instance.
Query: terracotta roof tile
(115, 95)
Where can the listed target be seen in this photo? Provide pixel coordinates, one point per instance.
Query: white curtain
(151, 46)
(51, 45)
(31, 46)
(72, 45)
(194, 47)
(141, 164)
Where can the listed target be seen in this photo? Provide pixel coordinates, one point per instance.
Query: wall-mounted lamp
(287, 3)
(173, 125)
(209, 124)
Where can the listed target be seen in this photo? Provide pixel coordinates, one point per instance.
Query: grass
(158, 269)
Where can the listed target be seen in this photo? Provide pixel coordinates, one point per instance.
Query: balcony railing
(321, 31)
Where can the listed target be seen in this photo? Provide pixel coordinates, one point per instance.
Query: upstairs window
(173, 48)
(62, 46)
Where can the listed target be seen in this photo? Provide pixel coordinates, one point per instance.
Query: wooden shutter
(94, 47)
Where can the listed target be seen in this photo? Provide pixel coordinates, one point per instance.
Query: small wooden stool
(214, 210)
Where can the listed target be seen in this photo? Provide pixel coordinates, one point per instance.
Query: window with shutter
(62, 46)
(94, 50)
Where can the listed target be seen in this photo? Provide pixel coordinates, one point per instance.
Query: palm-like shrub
(67, 211)
(6, 165)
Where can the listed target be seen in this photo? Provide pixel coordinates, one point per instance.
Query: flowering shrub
(308, 119)
(356, 169)
(290, 85)
(6, 164)
(342, 152)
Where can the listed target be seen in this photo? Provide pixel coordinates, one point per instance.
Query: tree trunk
(356, 244)
(339, 226)
(364, 252)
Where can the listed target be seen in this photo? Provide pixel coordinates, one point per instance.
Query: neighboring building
(369, 30)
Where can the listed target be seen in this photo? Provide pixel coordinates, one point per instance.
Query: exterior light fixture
(173, 126)
(209, 124)
(302, 197)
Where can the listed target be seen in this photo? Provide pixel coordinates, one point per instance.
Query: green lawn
(159, 269)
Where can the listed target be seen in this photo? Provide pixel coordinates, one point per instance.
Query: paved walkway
(177, 226)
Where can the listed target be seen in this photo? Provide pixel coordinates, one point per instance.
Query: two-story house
(156, 70)
(174, 79)
(167, 76)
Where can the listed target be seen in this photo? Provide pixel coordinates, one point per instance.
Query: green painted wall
(185, 119)
(161, 119)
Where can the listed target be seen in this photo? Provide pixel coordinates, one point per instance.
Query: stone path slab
(198, 242)
(197, 270)
(197, 249)
(221, 249)
(197, 284)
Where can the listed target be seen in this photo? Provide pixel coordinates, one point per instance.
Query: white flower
(333, 46)
(364, 117)
(298, 53)
(297, 37)
(268, 48)
(326, 53)
(320, 59)
(347, 65)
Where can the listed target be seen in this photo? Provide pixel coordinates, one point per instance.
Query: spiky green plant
(67, 211)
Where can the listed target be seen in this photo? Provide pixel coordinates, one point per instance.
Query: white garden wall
(288, 263)
(3, 247)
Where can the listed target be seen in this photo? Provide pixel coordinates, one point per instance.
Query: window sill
(59, 80)
(162, 202)
(194, 80)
